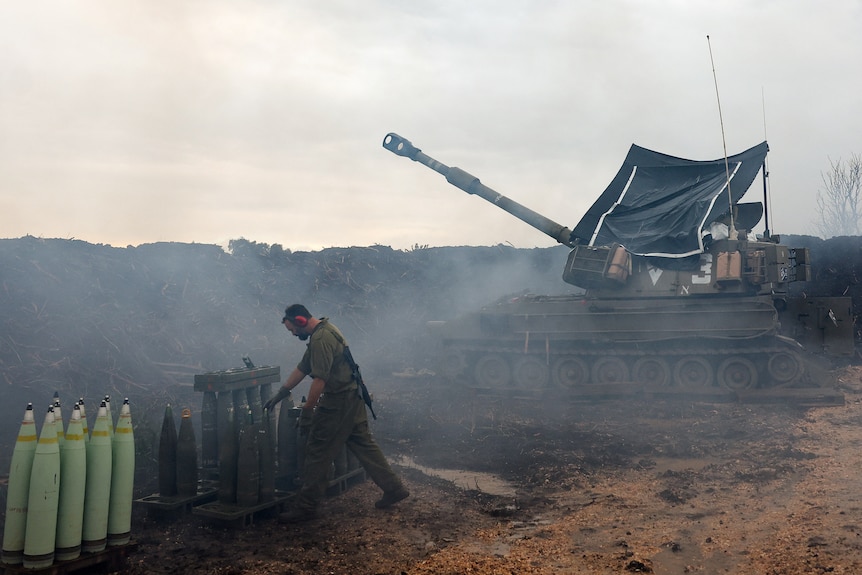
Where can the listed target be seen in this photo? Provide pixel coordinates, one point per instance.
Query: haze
(137, 122)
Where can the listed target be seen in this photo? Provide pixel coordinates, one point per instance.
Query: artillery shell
(17, 494)
(168, 455)
(224, 408)
(240, 405)
(287, 446)
(248, 464)
(43, 499)
(122, 479)
(227, 459)
(252, 395)
(187, 457)
(98, 490)
(267, 459)
(209, 431)
(73, 469)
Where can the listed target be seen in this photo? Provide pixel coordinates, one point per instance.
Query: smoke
(86, 319)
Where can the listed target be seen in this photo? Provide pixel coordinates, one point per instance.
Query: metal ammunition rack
(232, 400)
(111, 559)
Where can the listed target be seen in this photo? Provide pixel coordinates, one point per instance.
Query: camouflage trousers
(341, 419)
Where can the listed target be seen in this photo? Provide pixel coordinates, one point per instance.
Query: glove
(303, 423)
(272, 401)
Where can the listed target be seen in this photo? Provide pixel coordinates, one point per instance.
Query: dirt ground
(623, 486)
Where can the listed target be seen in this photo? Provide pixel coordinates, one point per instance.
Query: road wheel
(784, 367)
(651, 371)
(693, 372)
(569, 372)
(610, 370)
(492, 370)
(530, 372)
(736, 373)
(451, 364)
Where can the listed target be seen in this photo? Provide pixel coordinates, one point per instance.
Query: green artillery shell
(18, 490)
(187, 457)
(73, 469)
(209, 431)
(248, 464)
(43, 499)
(168, 455)
(98, 490)
(122, 479)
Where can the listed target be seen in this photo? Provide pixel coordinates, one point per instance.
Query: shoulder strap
(357, 375)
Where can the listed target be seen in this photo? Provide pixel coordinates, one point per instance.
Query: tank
(696, 307)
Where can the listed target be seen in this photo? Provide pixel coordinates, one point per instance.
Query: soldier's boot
(392, 497)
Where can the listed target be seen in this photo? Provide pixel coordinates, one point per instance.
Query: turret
(603, 263)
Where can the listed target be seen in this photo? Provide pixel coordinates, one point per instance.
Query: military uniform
(340, 417)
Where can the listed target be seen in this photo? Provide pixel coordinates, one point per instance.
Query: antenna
(723, 142)
(767, 198)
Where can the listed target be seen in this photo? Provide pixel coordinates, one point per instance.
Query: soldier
(334, 414)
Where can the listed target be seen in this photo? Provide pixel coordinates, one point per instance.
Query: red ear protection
(299, 321)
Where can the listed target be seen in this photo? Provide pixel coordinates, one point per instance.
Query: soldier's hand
(272, 401)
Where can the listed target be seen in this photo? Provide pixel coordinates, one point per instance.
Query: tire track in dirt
(821, 531)
(781, 496)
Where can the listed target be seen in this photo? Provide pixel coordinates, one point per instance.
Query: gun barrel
(472, 185)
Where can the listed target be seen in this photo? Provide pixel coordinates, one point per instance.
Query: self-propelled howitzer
(700, 306)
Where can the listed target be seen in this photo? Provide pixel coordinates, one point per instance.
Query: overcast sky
(134, 122)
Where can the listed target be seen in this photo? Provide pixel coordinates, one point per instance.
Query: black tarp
(660, 205)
